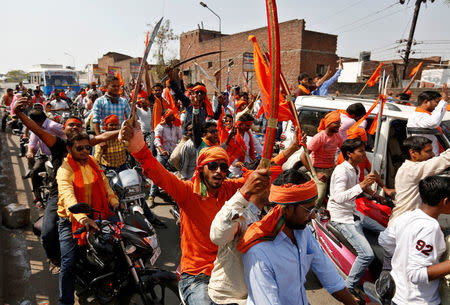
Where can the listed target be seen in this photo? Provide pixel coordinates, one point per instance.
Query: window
(209, 64)
(321, 69)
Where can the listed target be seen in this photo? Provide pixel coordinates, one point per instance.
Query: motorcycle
(47, 181)
(110, 268)
(339, 249)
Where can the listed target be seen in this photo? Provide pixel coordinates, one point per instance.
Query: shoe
(157, 223)
(27, 175)
(359, 296)
(54, 266)
(151, 202)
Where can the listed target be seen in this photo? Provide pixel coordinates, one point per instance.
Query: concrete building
(110, 62)
(301, 51)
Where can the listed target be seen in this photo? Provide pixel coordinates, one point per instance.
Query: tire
(169, 297)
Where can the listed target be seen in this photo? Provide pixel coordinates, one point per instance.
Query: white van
(389, 155)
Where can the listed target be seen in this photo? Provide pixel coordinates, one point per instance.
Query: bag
(175, 157)
(37, 226)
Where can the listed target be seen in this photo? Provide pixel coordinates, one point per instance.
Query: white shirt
(258, 150)
(344, 188)
(425, 120)
(167, 137)
(407, 181)
(414, 249)
(59, 105)
(145, 119)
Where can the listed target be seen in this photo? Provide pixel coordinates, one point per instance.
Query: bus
(51, 77)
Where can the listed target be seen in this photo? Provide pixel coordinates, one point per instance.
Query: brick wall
(301, 51)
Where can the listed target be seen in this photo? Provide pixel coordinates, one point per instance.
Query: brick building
(301, 51)
(108, 64)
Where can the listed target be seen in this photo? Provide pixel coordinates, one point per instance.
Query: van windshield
(445, 126)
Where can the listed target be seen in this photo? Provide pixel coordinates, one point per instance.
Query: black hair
(404, 96)
(158, 85)
(416, 143)
(207, 125)
(433, 189)
(291, 176)
(199, 84)
(76, 136)
(37, 115)
(110, 78)
(243, 95)
(350, 146)
(246, 117)
(190, 85)
(427, 96)
(302, 76)
(187, 125)
(229, 115)
(9, 90)
(357, 110)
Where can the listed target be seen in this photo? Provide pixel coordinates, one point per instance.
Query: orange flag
(373, 127)
(359, 122)
(375, 76)
(416, 69)
(263, 77)
(120, 78)
(146, 39)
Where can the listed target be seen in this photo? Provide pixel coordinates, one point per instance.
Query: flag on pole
(146, 39)
(416, 69)
(120, 78)
(262, 72)
(375, 76)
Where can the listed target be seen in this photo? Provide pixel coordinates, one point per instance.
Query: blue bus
(51, 77)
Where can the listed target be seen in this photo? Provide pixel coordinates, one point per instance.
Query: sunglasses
(214, 165)
(86, 147)
(311, 211)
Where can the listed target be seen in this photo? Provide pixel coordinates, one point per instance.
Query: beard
(295, 226)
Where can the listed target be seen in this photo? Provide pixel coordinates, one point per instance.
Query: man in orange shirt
(199, 201)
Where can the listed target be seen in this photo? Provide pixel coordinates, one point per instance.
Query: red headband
(200, 88)
(72, 120)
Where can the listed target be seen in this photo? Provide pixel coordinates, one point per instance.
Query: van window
(445, 126)
(395, 152)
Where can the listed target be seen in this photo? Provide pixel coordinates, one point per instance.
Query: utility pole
(411, 34)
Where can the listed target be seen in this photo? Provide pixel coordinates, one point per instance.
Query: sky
(45, 31)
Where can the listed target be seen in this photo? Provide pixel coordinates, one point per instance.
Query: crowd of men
(244, 233)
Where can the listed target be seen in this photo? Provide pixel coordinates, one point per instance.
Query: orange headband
(329, 119)
(293, 193)
(72, 120)
(200, 88)
(113, 118)
(240, 103)
(357, 133)
(165, 116)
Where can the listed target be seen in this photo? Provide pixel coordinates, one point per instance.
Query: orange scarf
(99, 199)
(209, 143)
(7, 101)
(242, 147)
(223, 131)
(304, 89)
(207, 103)
(34, 100)
(424, 111)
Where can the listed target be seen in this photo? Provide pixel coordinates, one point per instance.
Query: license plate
(133, 197)
(155, 256)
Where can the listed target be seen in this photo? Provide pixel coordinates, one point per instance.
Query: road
(23, 268)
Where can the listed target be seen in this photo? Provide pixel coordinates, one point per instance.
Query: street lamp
(220, 42)
(73, 59)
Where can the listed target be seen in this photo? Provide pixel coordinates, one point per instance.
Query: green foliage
(16, 76)
(164, 36)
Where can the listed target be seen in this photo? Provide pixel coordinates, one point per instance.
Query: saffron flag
(146, 39)
(375, 76)
(416, 69)
(120, 78)
(373, 127)
(263, 77)
(359, 122)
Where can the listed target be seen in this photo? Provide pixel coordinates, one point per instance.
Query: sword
(141, 71)
(207, 76)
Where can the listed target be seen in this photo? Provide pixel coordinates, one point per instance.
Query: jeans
(163, 160)
(68, 247)
(4, 119)
(353, 232)
(49, 234)
(194, 289)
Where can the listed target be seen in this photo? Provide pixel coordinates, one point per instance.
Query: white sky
(41, 31)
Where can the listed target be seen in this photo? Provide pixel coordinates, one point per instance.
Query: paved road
(23, 267)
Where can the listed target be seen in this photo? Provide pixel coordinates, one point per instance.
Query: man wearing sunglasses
(80, 179)
(199, 201)
(279, 250)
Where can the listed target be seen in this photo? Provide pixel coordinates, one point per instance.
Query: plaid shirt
(114, 156)
(104, 107)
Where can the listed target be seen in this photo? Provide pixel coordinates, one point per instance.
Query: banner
(113, 70)
(98, 71)
(247, 62)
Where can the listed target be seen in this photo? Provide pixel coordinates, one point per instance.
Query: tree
(16, 76)
(162, 39)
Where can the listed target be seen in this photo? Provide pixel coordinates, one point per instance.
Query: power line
(369, 15)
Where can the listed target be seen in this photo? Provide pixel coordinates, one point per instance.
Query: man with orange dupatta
(279, 250)
(323, 147)
(429, 113)
(199, 201)
(79, 180)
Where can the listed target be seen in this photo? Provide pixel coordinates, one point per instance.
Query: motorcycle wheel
(166, 293)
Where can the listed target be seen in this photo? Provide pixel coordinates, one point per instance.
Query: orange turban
(357, 133)
(330, 118)
(206, 155)
(166, 114)
(293, 193)
(239, 104)
(111, 119)
(208, 105)
(83, 93)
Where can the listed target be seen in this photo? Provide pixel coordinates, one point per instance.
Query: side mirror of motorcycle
(81, 208)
